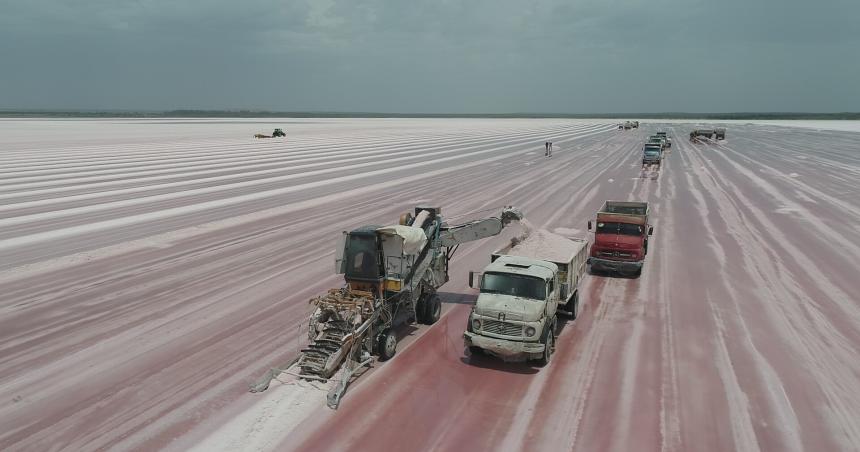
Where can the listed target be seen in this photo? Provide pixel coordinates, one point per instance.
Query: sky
(432, 56)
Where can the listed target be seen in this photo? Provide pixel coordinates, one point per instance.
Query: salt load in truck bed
(543, 245)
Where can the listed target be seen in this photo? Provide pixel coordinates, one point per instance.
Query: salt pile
(541, 244)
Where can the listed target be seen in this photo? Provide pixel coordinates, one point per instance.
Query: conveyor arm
(478, 229)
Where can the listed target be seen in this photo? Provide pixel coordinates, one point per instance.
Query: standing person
(550, 148)
(546, 148)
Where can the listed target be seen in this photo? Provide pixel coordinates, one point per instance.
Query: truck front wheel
(547, 350)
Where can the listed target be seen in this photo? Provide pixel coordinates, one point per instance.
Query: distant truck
(657, 140)
(652, 154)
(718, 134)
(620, 237)
(523, 289)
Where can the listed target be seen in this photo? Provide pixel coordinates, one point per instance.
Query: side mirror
(472, 276)
(651, 230)
(589, 225)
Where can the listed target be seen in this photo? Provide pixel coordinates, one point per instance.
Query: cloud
(430, 55)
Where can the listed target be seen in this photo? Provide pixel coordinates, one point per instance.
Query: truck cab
(654, 140)
(514, 317)
(652, 154)
(620, 237)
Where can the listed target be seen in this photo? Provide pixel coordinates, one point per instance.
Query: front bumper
(503, 348)
(615, 266)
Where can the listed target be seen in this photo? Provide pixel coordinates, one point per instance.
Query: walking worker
(546, 148)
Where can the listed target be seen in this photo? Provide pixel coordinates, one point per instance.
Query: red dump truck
(620, 237)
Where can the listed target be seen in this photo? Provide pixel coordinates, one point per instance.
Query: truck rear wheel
(386, 345)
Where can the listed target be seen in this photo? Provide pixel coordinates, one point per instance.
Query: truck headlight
(476, 324)
(530, 331)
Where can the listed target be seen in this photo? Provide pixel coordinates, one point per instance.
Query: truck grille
(506, 315)
(503, 328)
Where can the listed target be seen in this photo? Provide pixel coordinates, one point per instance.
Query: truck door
(552, 296)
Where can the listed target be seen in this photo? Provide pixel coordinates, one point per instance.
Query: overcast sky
(459, 56)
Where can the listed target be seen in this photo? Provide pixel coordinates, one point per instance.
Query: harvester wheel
(421, 308)
(387, 345)
(433, 307)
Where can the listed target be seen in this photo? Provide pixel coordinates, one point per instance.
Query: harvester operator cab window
(362, 258)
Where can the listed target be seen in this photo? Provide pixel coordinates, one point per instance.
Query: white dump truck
(522, 289)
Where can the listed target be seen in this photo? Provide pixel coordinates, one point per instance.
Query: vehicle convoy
(652, 154)
(391, 275)
(718, 134)
(620, 237)
(525, 286)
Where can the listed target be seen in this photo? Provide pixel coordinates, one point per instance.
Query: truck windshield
(516, 285)
(619, 228)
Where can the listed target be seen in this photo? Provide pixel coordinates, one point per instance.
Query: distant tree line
(309, 114)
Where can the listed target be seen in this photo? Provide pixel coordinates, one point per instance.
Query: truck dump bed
(624, 212)
(567, 253)
(545, 246)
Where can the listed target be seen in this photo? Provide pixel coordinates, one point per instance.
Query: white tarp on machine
(414, 238)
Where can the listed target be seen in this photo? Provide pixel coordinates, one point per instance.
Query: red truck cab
(620, 237)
